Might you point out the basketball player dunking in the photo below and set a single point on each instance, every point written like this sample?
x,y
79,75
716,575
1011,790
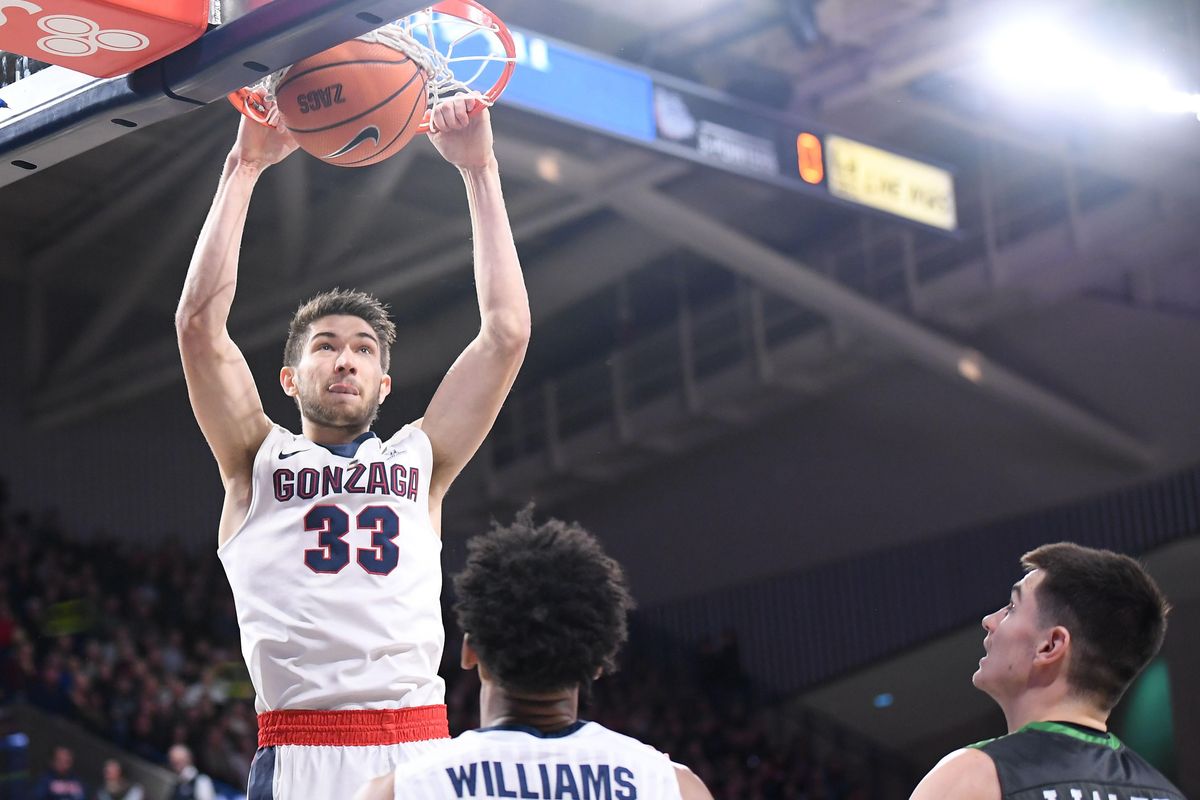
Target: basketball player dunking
x,y
544,611
1079,628
331,538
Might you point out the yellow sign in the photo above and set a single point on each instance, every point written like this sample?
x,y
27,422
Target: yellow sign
x,y
895,184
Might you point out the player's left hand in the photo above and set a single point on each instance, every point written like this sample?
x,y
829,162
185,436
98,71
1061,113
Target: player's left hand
x,y
464,139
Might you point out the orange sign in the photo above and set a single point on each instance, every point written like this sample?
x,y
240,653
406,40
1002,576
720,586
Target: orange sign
x,y
808,158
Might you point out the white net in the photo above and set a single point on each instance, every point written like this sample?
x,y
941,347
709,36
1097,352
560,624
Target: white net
x,y
456,68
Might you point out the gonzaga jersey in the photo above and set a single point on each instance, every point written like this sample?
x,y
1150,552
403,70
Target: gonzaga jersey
x,y
1061,761
336,575
585,760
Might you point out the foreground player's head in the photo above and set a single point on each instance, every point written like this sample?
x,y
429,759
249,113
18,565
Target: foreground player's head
x,y
336,359
1081,624
543,608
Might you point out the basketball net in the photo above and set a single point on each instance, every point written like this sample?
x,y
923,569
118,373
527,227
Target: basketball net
x,y
464,18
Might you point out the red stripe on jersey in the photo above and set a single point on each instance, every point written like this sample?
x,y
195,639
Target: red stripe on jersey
x,y
361,727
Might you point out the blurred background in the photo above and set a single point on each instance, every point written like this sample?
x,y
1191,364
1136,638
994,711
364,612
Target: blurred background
x,y
839,307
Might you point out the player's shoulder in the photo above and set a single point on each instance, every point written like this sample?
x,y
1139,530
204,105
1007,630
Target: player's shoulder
x,y
968,773
412,430
595,731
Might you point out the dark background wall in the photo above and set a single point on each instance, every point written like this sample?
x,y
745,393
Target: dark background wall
x,y
897,456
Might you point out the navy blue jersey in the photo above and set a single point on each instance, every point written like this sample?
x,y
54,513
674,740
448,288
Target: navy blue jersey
x,y
1061,761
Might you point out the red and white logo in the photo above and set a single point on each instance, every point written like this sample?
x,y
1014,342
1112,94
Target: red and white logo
x,y
73,36
28,8
101,38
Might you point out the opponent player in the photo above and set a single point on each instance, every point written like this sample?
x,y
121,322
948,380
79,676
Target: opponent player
x,y
544,612
331,539
1080,626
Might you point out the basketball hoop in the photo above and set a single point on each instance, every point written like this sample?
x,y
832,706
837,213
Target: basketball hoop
x,y
461,45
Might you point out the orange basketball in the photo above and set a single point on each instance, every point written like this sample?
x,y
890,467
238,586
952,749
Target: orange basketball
x,y
353,105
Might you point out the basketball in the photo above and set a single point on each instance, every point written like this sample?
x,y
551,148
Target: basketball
x,y
353,105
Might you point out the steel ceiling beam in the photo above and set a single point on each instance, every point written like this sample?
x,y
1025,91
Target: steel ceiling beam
x,y
130,376
797,281
183,207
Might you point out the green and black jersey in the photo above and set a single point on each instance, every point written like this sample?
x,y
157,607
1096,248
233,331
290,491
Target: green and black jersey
x,y
1063,761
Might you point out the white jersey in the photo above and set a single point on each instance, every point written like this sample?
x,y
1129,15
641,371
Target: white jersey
x,y
336,575
585,761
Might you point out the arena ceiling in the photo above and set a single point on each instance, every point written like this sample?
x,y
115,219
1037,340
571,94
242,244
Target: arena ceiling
x,y
669,297
678,307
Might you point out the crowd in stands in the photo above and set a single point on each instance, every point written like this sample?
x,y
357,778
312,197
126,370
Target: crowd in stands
x,y
138,643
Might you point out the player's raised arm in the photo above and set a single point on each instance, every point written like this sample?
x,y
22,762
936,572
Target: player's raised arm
x,y
470,396
220,386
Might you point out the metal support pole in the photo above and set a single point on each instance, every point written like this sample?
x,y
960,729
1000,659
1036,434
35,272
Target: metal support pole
x,y
986,179
764,368
622,423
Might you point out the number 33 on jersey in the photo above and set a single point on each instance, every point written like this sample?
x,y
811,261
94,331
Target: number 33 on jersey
x,y
336,573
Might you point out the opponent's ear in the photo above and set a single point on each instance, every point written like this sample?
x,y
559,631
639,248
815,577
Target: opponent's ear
x,y
1054,647
385,387
287,379
470,659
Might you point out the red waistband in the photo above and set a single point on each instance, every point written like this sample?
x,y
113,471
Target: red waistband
x,y
355,727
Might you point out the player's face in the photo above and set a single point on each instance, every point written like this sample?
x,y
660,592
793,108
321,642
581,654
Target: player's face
x,y
339,382
1013,637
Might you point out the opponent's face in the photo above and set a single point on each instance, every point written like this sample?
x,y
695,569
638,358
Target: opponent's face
x,y
1013,643
339,382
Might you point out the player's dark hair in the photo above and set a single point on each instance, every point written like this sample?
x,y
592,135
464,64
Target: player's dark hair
x,y
544,606
1114,610
340,301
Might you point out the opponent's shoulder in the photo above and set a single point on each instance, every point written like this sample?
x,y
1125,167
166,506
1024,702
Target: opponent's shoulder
x,y
690,786
967,774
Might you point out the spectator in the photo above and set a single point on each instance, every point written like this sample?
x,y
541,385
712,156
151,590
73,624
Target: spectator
x,y
116,786
192,784
60,782
146,675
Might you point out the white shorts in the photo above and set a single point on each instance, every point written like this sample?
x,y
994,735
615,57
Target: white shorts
x,y
323,771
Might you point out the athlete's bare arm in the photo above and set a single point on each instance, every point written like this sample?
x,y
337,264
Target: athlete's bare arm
x,y
465,405
222,391
691,787
966,774
381,788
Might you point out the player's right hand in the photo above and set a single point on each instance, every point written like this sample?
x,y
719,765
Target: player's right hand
x,y
260,146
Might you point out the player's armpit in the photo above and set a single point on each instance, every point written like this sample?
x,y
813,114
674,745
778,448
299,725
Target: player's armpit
x,y
966,774
220,385
691,787
224,399
381,788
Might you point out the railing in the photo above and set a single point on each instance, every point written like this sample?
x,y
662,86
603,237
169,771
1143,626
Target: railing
x,y
743,332
803,627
